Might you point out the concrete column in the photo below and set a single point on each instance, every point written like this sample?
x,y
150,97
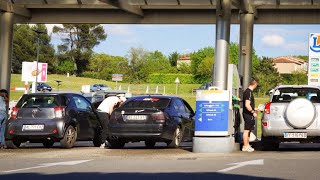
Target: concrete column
x,y
219,144
6,41
245,48
220,67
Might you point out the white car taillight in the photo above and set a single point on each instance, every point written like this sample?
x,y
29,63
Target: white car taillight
x,y
59,112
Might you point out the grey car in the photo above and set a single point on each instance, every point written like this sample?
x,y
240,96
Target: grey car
x,y
99,87
292,114
53,117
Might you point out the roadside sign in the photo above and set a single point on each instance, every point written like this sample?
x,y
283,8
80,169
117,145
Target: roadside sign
x,y
29,71
314,59
212,113
117,77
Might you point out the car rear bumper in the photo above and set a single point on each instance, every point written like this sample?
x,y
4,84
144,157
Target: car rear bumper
x,y
143,132
279,134
52,129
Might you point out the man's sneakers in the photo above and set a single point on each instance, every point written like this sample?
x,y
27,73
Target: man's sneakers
x,y
247,149
104,145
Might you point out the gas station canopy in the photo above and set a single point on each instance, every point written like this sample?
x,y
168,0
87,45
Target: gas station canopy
x,y
158,11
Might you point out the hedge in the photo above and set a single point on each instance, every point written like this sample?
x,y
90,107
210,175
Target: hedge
x,y
159,78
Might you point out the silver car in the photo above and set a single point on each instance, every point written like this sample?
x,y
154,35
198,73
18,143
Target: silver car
x,y
292,114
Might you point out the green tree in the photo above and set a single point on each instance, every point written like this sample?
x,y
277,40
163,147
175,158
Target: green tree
x,y
299,77
78,41
25,47
185,68
267,75
137,57
102,66
196,61
173,58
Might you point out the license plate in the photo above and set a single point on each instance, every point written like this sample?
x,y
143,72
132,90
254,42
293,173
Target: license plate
x,y
136,117
32,127
295,135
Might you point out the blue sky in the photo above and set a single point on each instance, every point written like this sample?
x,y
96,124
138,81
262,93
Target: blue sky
x,y
269,40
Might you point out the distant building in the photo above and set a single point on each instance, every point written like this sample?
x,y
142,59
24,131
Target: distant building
x,y
184,59
289,64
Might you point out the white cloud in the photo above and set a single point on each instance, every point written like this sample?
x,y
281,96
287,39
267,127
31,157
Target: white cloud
x,y
50,27
118,29
273,40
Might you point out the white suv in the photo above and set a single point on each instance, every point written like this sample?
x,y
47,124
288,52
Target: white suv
x,y
291,115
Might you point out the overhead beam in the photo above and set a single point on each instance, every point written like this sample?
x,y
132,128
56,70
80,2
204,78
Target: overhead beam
x,y
124,5
173,16
244,5
9,7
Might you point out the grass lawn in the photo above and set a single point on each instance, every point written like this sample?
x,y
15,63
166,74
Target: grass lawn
x,y
75,83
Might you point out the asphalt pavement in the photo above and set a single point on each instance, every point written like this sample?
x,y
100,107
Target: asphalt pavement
x,y
292,161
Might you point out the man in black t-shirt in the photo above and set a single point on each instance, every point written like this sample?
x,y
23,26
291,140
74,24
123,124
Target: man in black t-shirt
x,y
249,115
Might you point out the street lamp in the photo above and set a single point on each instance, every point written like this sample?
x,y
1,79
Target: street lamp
x,y
34,89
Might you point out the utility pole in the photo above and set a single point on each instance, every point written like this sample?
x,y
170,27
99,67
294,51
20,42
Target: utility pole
x,y
34,86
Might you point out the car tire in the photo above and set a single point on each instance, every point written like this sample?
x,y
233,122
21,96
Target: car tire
x,y
48,143
269,144
177,138
69,138
13,144
97,140
116,144
150,144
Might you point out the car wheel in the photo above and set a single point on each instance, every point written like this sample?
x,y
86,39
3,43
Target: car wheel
x,y
69,138
269,144
177,138
97,140
116,144
13,144
150,144
48,143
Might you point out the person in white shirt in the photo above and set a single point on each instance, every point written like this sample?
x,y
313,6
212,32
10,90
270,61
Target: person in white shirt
x,y
106,108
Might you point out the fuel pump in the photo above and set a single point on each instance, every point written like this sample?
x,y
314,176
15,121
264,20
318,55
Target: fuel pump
x,y
218,117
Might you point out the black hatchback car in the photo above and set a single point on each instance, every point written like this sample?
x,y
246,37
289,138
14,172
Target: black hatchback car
x,y
52,117
152,119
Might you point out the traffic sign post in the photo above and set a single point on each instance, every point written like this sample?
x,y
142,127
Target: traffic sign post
x,y
117,77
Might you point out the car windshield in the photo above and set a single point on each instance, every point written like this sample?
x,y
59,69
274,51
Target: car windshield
x,y
102,85
32,101
157,103
289,94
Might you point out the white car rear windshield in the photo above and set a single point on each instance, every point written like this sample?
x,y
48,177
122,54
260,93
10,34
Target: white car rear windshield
x,y
289,94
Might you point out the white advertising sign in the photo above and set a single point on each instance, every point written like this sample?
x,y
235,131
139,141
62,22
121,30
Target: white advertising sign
x,y
314,59
29,71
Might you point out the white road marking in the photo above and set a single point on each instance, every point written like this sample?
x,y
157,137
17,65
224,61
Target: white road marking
x,y
241,164
66,163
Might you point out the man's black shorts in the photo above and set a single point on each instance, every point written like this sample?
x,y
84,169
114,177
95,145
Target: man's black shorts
x,y
249,122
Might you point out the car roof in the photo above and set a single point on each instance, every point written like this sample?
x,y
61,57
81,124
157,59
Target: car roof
x,y
297,86
56,93
154,96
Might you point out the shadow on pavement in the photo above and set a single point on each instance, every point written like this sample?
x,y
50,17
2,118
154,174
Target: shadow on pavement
x,y
289,146
127,176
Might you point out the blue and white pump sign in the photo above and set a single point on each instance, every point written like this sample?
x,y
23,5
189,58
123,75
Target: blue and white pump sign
x,y
212,113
